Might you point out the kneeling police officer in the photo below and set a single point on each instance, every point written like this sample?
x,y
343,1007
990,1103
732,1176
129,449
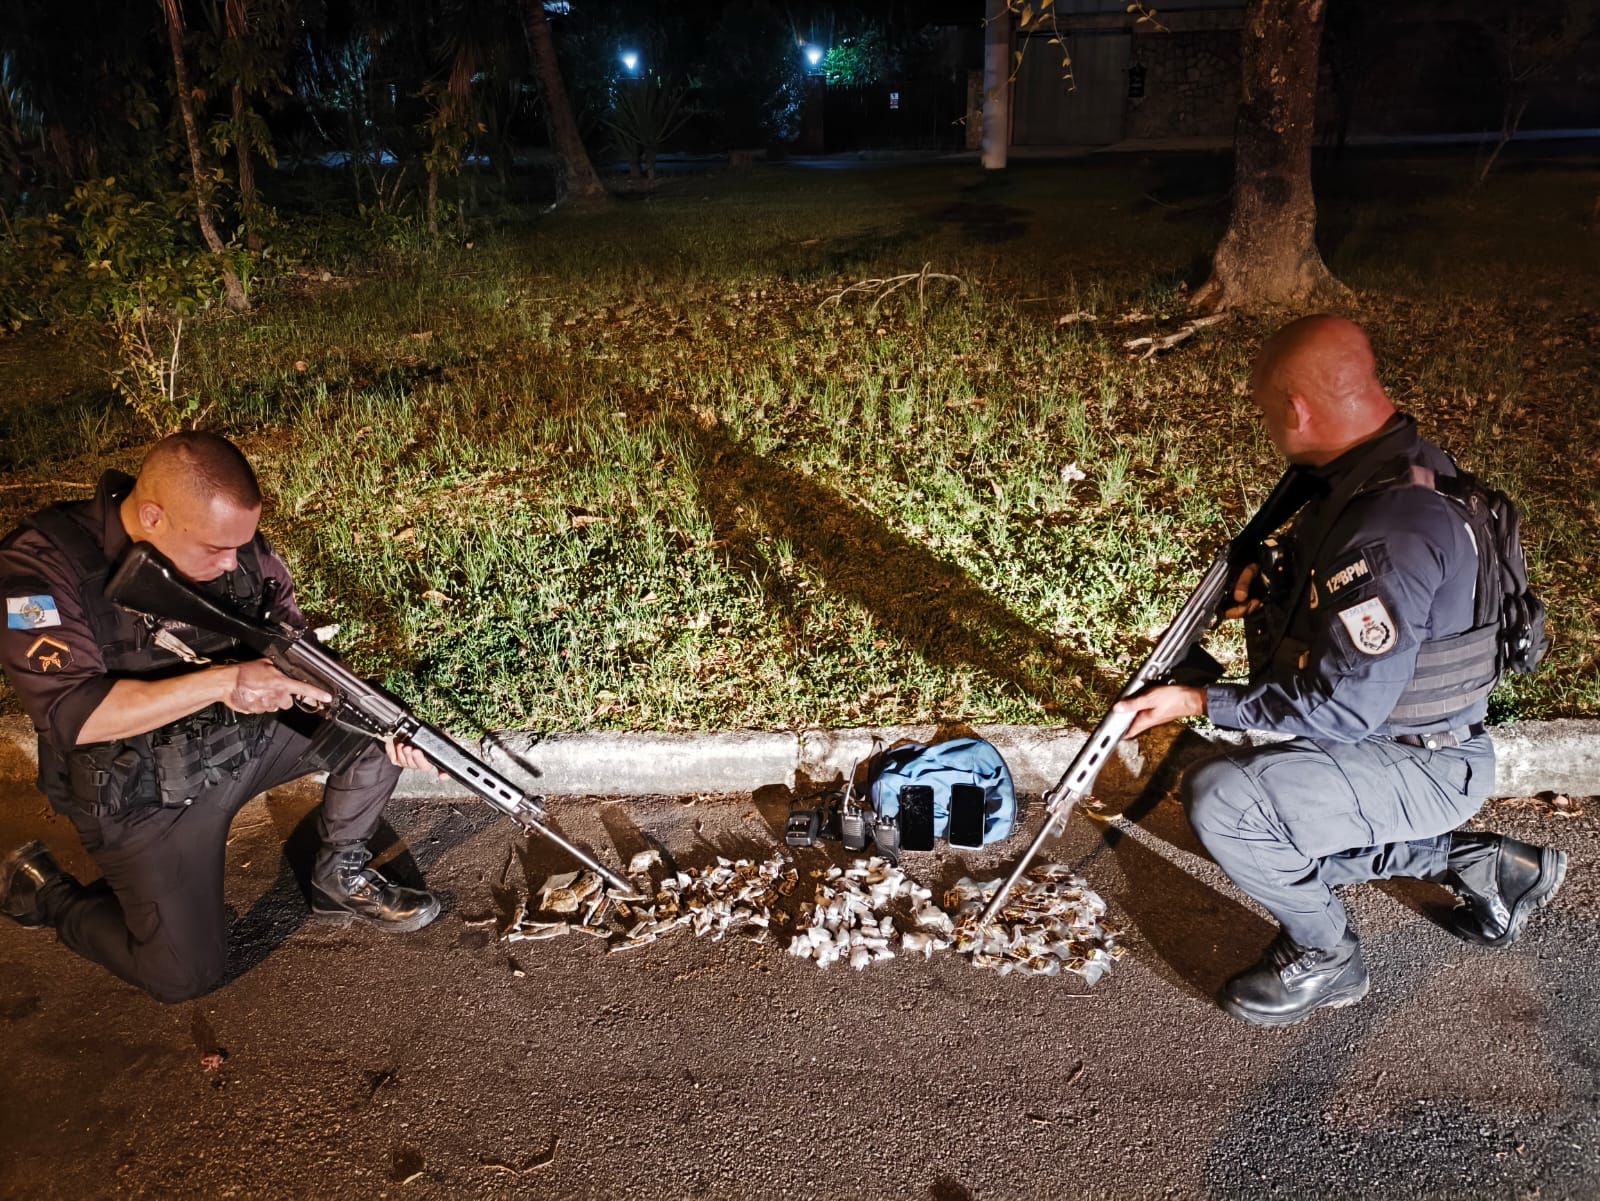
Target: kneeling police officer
x,y
1366,650
153,736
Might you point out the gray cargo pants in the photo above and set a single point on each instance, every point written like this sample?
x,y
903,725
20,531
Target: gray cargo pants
x,y
1291,821
156,916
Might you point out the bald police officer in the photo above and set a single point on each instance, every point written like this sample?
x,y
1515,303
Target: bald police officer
x,y
1351,654
152,736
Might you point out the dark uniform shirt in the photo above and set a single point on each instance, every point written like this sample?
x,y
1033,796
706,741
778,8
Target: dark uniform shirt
x,y
1398,567
48,649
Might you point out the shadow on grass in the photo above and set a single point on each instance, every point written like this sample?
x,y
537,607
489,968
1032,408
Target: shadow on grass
x,y
930,605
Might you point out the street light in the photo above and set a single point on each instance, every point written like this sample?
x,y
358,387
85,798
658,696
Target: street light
x,y
813,56
630,61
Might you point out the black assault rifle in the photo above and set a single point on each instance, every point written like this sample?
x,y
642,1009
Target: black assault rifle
x,y
1178,651
147,583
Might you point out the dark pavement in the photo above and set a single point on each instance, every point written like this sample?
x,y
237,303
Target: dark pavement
x,y
445,1063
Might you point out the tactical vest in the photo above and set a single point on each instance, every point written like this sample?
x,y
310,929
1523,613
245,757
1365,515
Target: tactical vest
x,y
1451,675
173,764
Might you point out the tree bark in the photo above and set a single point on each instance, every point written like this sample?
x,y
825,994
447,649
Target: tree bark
x,y
249,203
996,111
578,180
202,187
1268,257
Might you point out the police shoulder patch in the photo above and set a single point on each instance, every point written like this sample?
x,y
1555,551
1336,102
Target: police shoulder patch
x,y
1370,626
49,654
31,612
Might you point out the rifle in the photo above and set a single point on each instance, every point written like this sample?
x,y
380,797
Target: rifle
x,y
146,582
1178,650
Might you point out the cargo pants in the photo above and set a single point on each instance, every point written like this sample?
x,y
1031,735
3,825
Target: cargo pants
x,y
1290,822
156,917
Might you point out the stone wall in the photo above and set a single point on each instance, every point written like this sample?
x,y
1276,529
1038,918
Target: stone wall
x,y
1191,84
1396,77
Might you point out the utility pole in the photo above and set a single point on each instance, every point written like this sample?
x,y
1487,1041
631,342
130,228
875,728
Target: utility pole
x,y
996,84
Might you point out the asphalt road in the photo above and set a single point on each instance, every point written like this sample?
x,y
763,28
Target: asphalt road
x,y
446,1063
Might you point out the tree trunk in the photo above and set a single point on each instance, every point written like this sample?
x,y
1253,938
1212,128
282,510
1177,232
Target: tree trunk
x,y
996,110
1268,257
433,202
202,187
1510,122
578,180
238,29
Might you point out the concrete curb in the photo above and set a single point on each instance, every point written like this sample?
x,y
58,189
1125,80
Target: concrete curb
x,y
1552,756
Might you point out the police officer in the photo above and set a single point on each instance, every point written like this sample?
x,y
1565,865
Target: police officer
x,y
152,736
1358,649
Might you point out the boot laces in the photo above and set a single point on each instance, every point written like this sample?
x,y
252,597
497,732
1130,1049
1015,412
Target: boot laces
x,y
1290,958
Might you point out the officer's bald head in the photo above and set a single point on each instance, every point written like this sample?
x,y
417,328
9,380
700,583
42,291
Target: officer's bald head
x,y
1316,383
197,501
201,466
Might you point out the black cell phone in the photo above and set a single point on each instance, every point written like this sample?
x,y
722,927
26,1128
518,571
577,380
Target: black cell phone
x,y
916,818
966,815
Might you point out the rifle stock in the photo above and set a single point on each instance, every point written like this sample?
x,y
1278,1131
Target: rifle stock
x,y
146,582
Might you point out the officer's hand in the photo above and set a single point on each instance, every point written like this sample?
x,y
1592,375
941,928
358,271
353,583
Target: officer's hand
x,y
1243,602
259,687
1160,705
403,754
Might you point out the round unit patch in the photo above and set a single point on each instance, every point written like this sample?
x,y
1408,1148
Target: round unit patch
x,y
1370,627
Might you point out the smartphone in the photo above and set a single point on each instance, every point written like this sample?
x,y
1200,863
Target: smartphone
x,y
916,818
966,816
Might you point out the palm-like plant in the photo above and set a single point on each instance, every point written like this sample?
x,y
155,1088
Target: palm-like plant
x,y
645,114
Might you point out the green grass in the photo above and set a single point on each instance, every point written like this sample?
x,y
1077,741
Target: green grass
x,y
627,470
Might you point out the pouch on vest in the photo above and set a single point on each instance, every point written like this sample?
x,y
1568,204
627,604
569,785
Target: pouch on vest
x,y
105,779
940,766
199,753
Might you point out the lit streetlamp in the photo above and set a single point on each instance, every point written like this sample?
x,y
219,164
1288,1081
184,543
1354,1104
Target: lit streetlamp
x,y
630,61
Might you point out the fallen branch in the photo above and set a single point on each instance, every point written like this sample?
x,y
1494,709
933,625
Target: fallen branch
x,y
882,289
1183,333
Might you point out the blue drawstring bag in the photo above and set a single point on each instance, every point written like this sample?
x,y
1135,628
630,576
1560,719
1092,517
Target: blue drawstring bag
x,y
954,761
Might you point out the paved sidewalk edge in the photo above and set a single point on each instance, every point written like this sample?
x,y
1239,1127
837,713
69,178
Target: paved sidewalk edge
x,y
1548,756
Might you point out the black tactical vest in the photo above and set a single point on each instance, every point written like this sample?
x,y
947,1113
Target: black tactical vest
x,y
1451,674
171,765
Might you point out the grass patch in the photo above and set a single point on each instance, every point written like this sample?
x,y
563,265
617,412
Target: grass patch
x,y
628,471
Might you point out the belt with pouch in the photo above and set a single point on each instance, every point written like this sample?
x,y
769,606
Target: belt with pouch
x,y
1442,739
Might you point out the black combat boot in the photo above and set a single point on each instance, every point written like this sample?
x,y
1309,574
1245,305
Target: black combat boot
x,y
343,887
1501,883
1291,982
24,874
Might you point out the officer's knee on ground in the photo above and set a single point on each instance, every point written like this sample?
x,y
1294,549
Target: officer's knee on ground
x,y
183,962
195,980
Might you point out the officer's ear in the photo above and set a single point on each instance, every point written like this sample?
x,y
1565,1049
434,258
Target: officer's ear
x,y
1296,412
151,516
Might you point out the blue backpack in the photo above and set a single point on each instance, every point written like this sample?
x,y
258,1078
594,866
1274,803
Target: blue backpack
x,y
956,761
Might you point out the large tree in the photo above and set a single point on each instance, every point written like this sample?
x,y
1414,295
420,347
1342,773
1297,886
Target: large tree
x,y
1268,257
232,289
578,179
